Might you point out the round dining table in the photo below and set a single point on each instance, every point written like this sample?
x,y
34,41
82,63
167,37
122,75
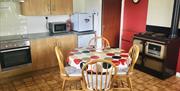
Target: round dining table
x,y
79,56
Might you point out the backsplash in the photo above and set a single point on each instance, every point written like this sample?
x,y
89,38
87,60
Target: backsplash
x,y
37,24
12,23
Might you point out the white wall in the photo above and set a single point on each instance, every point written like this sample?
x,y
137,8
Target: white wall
x,y
78,6
95,6
160,12
37,24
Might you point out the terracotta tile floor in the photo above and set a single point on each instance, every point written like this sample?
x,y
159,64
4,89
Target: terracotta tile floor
x,y
49,80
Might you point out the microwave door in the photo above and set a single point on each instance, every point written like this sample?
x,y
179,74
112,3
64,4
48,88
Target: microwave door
x,y
59,28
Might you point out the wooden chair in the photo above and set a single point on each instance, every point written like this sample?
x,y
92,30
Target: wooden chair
x,y
133,53
67,73
98,75
93,42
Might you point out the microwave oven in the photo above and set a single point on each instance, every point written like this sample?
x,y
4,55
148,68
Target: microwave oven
x,y
57,27
82,22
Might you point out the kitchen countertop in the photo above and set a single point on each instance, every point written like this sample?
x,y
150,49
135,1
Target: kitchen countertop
x,y
47,34
40,35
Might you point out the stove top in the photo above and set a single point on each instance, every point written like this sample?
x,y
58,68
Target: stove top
x,y
13,41
153,36
13,38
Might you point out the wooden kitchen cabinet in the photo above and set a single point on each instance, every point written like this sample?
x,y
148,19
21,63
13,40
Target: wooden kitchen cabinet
x,y
42,50
46,7
61,7
35,7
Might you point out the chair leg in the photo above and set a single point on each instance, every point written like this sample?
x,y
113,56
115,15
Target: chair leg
x,y
82,85
64,83
117,82
130,83
122,83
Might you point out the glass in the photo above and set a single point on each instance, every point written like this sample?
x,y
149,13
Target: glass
x,y
15,58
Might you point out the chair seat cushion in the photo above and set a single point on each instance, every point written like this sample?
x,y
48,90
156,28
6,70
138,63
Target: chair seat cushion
x,y
122,71
72,71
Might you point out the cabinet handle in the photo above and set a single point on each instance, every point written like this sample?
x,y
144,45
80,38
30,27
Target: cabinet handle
x,y
17,49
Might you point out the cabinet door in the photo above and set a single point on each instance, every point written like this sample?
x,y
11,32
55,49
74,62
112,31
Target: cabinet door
x,y
35,7
43,50
42,53
59,7
67,43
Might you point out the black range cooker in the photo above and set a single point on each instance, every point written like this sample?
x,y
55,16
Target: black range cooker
x,y
158,53
14,51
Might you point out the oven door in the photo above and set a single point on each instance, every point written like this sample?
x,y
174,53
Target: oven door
x,y
155,50
14,57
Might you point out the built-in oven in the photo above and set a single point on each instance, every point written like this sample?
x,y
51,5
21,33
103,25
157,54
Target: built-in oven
x,y
156,50
14,54
14,57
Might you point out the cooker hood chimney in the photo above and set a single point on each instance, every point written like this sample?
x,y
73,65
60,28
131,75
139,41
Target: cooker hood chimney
x,y
175,19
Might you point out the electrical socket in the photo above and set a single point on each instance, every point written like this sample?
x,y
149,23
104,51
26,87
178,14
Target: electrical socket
x,y
46,18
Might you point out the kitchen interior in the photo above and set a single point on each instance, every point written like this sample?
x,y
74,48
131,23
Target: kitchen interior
x,y
30,29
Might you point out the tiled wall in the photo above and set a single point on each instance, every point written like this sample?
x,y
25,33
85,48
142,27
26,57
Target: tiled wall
x,y
37,24
12,23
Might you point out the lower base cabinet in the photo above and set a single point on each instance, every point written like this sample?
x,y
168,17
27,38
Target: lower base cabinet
x,y
43,53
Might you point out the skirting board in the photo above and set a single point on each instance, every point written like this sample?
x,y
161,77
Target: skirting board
x,y
177,74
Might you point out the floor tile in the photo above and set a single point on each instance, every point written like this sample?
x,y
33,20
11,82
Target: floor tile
x,y
49,80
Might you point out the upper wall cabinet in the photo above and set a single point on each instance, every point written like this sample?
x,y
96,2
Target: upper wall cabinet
x,y
46,7
61,7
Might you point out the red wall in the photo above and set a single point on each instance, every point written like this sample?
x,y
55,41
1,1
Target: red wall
x,y
135,16
178,64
